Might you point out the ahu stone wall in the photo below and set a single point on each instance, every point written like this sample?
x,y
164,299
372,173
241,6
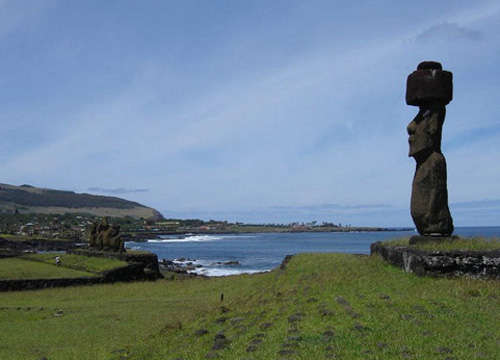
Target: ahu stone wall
x,y
474,264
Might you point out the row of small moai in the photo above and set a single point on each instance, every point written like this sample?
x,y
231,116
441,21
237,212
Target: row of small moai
x,y
105,237
431,89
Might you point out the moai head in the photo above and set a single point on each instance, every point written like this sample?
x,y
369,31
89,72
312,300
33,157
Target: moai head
x,y
425,131
430,88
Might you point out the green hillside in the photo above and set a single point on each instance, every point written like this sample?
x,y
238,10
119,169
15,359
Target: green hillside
x,y
321,306
30,199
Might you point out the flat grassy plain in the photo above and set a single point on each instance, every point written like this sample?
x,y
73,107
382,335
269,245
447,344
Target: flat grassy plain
x,y
17,268
321,306
78,262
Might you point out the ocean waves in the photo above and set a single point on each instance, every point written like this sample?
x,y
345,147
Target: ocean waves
x,y
226,272
192,238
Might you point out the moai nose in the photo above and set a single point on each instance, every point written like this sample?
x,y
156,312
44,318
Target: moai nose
x,y
411,128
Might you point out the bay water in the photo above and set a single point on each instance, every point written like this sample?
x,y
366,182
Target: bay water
x,y
231,254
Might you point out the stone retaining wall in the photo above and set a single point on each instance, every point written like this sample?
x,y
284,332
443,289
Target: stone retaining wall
x,y
143,266
475,264
149,261
33,284
128,272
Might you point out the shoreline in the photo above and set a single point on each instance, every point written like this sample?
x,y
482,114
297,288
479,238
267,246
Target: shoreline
x,y
152,235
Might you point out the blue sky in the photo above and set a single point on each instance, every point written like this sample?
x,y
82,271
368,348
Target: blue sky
x,y
256,111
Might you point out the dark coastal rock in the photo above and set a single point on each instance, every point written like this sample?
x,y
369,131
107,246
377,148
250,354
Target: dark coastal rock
x,y
232,263
430,88
180,268
285,262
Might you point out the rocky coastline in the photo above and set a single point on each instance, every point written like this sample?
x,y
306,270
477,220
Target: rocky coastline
x,y
191,267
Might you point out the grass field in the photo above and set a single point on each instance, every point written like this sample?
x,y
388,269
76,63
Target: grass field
x,y
78,262
16,268
474,243
322,306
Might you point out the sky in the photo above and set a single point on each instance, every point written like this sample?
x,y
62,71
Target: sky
x,y
253,111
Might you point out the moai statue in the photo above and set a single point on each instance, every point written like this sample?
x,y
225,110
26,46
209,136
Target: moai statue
x,y
431,89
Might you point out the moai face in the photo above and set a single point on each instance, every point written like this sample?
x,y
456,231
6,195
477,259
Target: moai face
x,y
425,131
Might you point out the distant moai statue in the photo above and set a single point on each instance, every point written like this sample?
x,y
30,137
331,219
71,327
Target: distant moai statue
x,y
431,89
103,236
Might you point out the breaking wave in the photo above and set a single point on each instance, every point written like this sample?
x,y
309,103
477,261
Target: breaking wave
x,y
193,238
226,272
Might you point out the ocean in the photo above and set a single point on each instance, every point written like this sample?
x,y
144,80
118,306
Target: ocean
x,y
264,251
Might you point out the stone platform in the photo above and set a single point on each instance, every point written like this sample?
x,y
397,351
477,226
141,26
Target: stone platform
x,y
474,264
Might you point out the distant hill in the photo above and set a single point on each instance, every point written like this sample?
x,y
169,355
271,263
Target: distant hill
x,y
30,199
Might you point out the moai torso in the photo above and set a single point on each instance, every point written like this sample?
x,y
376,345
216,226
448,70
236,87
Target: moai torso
x,y
429,197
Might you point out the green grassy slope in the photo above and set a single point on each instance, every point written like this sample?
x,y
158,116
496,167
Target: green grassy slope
x,y
322,306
